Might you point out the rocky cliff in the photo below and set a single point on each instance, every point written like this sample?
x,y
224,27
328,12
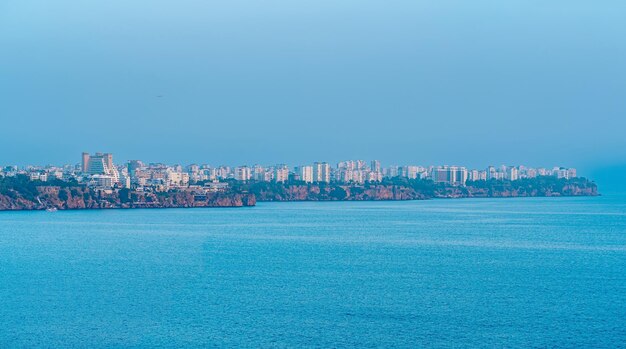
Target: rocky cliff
x,y
304,192
21,194
80,197
404,189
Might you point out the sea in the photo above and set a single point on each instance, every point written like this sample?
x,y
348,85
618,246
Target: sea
x,y
448,273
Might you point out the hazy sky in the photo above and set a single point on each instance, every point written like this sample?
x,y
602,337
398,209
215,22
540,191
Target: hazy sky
x,y
425,82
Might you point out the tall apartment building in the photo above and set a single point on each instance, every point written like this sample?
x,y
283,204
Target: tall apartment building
x,y
176,178
243,173
85,162
512,173
100,163
306,173
461,176
452,175
375,165
321,172
412,172
492,173
560,173
473,175
571,173
281,173
222,172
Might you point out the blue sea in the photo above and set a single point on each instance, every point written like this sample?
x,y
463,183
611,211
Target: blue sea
x,y
493,273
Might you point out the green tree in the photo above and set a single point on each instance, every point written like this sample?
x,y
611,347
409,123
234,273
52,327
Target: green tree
x,y
63,195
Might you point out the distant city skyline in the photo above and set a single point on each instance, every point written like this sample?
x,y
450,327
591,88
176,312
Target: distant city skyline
x,y
607,175
477,83
105,159
422,156
98,170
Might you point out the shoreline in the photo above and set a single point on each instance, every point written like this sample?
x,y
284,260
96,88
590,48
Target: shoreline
x,y
27,195
40,209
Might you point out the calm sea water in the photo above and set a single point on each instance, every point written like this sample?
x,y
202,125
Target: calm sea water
x,y
444,273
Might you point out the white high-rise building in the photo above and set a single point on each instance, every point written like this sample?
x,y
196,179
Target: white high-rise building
x,y
474,175
512,173
571,173
243,173
412,172
281,173
321,172
376,166
306,173
259,173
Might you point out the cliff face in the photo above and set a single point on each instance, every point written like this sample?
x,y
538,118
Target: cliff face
x,y
419,190
84,198
26,195
470,192
337,193
576,187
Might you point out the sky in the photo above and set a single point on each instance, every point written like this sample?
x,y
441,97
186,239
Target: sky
x,y
473,83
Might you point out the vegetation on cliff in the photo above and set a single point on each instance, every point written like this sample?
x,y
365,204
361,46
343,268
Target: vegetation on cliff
x,y
399,188
19,193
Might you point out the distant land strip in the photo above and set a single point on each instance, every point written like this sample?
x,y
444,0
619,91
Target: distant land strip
x,y
21,193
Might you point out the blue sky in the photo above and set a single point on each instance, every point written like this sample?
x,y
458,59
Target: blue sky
x,y
231,82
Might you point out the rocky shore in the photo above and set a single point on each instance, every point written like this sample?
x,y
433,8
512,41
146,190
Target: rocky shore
x,y
20,194
41,197
405,189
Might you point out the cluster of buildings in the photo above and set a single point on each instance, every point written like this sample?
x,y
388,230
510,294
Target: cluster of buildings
x,y
99,171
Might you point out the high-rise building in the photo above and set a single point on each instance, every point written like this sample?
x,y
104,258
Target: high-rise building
x,y
85,163
376,166
109,160
452,175
321,172
460,176
439,175
306,173
474,175
222,172
492,173
100,164
243,173
259,173
512,173
281,173
412,171
560,172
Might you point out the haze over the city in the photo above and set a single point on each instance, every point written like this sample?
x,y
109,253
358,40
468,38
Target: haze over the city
x,y
427,82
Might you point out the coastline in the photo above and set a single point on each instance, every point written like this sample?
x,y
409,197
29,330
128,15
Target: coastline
x,y
34,196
